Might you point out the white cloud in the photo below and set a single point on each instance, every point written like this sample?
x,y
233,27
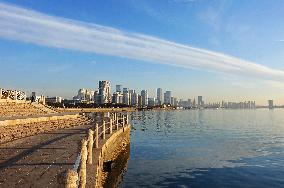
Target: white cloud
x,y
37,28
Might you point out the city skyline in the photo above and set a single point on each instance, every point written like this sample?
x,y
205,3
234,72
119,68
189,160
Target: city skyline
x,y
235,60
131,97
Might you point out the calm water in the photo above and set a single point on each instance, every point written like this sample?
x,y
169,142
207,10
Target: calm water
x,y
206,148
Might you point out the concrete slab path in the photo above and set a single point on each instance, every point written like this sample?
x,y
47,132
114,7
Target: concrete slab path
x,y
36,161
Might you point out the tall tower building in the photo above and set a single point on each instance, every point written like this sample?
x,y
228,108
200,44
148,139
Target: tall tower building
x,y
160,96
104,95
118,88
168,97
270,104
144,96
199,101
134,97
125,90
126,98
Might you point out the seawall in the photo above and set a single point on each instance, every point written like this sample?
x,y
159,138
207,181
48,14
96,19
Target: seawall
x,y
108,153
78,110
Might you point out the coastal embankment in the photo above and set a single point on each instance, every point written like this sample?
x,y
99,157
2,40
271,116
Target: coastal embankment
x,y
93,110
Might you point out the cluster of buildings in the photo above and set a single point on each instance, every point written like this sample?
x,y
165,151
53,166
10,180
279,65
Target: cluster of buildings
x,y
130,97
121,95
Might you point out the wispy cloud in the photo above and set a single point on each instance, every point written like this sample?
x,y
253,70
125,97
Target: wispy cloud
x,y
33,27
184,1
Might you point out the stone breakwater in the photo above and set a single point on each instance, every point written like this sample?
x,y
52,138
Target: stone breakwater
x,y
19,128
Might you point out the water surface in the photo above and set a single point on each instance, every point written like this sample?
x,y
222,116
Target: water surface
x,y
206,148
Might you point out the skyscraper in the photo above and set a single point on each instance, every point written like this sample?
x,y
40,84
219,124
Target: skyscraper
x,y
167,97
160,96
104,95
118,88
199,101
270,104
125,90
117,98
144,96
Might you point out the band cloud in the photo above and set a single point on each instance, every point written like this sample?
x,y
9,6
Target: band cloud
x,y
25,25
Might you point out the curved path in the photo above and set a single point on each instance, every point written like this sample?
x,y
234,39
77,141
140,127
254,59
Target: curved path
x,y
36,161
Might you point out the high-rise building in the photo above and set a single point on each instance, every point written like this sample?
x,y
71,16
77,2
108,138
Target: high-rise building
x,y
160,96
117,98
125,90
134,98
167,97
144,96
151,101
189,103
126,98
139,101
199,101
104,95
270,104
194,103
85,95
118,88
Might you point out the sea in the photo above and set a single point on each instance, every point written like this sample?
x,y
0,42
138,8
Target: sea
x,y
206,148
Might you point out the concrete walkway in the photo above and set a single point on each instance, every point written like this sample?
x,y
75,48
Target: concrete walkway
x,y
37,160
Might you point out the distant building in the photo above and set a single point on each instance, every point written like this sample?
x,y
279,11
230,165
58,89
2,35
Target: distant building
x,y
104,95
134,98
144,97
270,104
126,98
117,98
160,96
125,90
85,95
151,102
189,103
172,101
139,101
53,99
199,101
118,88
167,97
194,103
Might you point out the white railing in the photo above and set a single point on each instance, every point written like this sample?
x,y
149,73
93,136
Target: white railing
x,y
12,94
77,176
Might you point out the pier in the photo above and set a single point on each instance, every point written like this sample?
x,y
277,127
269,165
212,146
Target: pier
x,y
51,149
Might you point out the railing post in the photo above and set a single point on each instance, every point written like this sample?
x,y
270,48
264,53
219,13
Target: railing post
x,y
104,129
123,120
97,136
83,166
127,119
110,124
117,125
71,178
90,146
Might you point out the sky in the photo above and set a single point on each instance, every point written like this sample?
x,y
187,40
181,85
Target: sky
x,y
220,49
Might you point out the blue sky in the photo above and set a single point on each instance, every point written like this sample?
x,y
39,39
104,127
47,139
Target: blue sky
x,y
224,49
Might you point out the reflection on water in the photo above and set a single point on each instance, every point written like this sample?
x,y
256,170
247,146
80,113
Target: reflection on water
x,y
115,176
206,148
